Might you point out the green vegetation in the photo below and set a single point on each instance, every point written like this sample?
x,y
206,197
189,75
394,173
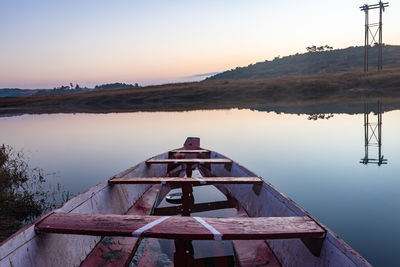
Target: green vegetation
x,y
322,89
22,195
318,60
116,86
60,90
320,77
321,48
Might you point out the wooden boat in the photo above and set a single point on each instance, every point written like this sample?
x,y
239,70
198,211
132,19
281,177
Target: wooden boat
x,y
229,217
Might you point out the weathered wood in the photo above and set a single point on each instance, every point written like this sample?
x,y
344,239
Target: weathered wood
x,y
251,253
201,207
177,227
314,245
192,143
29,249
118,251
186,180
271,202
190,151
189,161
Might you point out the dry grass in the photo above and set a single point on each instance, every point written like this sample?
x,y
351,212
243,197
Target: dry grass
x,y
348,59
349,87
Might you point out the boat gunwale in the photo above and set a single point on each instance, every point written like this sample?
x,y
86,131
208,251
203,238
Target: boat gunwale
x,y
331,236
83,197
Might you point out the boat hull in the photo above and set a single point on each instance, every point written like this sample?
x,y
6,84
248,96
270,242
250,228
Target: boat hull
x,y
28,248
269,202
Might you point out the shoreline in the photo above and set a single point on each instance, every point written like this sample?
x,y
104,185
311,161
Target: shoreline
x,y
339,90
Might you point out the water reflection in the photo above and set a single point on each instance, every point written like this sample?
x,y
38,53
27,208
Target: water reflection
x,y
304,159
320,116
373,136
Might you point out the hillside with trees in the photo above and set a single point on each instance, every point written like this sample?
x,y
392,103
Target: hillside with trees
x,y
116,86
62,90
317,60
288,94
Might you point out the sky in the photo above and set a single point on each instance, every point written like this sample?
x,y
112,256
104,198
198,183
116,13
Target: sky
x,y
48,43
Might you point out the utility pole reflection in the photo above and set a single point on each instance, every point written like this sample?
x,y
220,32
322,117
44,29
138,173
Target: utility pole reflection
x,y
373,136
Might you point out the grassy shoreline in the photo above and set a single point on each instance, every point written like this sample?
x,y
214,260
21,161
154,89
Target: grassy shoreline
x,y
345,88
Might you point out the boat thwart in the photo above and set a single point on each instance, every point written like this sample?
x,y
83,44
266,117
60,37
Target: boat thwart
x,y
125,219
180,227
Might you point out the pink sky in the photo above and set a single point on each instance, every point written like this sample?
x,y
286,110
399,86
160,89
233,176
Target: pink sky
x,y
49,43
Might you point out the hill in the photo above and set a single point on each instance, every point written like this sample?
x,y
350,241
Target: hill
x,y
16,92
333,61
61,90
287,94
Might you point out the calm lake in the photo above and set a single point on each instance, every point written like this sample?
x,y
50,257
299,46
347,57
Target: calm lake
x,y
314,162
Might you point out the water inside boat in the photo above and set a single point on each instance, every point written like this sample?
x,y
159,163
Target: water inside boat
x,y
162,212
206,201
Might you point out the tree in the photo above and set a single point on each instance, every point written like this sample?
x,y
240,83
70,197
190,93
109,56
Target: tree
x,y
114,86
321,48
311,48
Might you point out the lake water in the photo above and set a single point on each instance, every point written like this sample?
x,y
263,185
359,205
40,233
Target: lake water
x,y
314,162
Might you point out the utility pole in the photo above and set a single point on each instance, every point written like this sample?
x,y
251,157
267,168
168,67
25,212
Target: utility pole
x,y
369,31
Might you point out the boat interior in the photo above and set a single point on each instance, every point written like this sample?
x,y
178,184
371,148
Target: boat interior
x,y
187,207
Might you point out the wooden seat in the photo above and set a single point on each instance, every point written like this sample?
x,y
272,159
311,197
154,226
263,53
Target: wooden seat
x,y
183,180
119,250
188,161
198,207
190,151
177,227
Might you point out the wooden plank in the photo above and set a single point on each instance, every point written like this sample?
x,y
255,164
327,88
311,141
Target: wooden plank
x,y
190,151
200,207
186,180
251,253
188,161
118,251
177,227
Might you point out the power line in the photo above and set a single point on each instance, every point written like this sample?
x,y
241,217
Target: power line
x,y
372,30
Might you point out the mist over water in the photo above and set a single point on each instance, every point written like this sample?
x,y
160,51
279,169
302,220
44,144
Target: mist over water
x,y
314,160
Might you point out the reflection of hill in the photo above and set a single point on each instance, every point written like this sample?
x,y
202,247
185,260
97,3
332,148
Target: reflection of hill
x,y
329,108
349,59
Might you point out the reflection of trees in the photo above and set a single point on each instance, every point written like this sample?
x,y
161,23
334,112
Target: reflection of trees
x,y
320,116
23,196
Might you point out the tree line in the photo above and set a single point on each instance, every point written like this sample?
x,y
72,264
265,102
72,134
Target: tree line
x,y
321,48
